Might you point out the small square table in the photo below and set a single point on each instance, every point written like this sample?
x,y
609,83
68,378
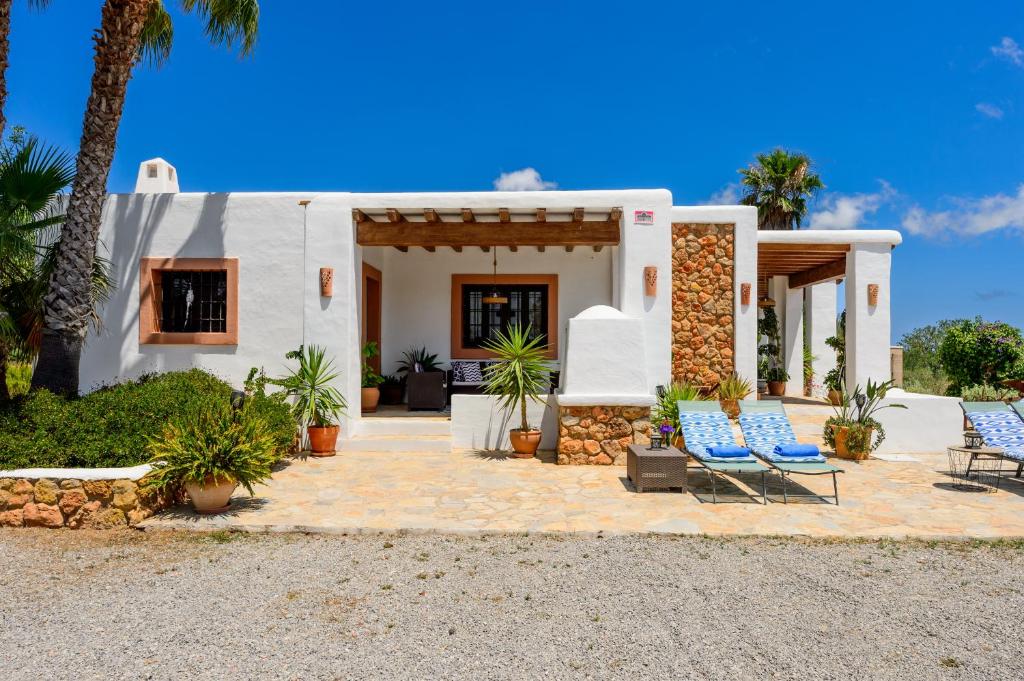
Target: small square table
x,y
656,468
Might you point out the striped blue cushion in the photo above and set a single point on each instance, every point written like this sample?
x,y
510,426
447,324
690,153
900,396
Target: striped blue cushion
x,y
709,429
763,430
1000,429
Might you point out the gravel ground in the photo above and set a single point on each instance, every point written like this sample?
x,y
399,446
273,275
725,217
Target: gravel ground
x,y
166,606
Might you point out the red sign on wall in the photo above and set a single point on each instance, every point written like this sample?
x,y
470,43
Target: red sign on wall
x,y
643,217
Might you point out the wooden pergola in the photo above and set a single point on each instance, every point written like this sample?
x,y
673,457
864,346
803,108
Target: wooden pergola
x,y
804,264
433,228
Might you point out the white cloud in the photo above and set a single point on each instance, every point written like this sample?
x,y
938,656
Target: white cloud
x,y
970,216
524,180
1009,49
989,110
729,195
847,211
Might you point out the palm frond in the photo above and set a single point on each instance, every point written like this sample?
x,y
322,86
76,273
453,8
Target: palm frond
x,y
157,35
228,22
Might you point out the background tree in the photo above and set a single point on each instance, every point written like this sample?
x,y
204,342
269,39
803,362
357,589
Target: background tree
x,y
779,184
130,31
975,352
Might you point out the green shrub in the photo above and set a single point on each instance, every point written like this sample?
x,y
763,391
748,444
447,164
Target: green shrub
x,y
975,352
925,380
110,427
986,393
19,378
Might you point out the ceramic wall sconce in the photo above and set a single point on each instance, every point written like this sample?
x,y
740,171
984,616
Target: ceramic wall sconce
x,y
650,280
327,281
745,294
872,294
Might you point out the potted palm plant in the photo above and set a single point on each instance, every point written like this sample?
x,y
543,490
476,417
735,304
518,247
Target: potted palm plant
x,y
667,408
210,453
853,433
730,392
519,372
370,394
317,403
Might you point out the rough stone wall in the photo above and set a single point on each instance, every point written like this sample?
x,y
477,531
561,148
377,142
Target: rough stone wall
x,y
599,435
703,328
48,502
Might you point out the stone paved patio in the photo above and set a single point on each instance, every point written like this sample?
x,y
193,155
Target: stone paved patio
x,y
486,492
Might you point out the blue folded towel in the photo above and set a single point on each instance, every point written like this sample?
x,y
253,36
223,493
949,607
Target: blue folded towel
x,y
796,450
724,451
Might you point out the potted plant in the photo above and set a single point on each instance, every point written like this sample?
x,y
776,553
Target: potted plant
x,y
770,361
730,392
667,408
210,453
418,357
370,394
519,372
836,377
853,433
317,402
391,389
777,377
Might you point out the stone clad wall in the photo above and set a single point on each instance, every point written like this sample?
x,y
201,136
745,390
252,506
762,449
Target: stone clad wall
x,y
703,331
600,435
49,502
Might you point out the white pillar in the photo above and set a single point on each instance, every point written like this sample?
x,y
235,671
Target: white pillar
x,y
821,323
793,339
868,327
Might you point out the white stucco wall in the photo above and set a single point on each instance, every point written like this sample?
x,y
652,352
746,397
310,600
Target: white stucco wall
x,y
868,328
417,288
821,316
929,424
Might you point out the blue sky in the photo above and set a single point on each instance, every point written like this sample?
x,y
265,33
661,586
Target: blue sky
x,y
914,113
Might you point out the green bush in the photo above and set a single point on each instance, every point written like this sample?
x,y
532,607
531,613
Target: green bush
x,y
975,352
19,378
110,427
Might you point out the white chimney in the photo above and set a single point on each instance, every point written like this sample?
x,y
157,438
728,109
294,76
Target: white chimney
x,y
156,176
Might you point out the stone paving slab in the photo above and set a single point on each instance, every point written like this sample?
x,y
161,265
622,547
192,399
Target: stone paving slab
x,y
485,492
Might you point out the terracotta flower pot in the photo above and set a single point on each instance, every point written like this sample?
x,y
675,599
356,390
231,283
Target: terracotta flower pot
x,y
370,398
776,388
524,442
210,497
842,451
835,397
731,408
323,440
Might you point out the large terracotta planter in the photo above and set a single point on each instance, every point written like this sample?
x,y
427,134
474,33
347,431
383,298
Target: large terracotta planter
x,y
323,440
731,408
776,388
370,398
842,451
210,497
524,442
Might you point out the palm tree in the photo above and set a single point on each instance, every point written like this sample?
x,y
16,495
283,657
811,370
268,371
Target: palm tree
x,y
779,184
130,31
32,178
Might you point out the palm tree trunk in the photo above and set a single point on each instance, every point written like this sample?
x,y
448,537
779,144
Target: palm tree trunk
x,y
68,304
5,46
5,393
522,408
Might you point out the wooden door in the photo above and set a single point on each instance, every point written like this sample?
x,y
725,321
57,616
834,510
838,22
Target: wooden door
x,y
372,309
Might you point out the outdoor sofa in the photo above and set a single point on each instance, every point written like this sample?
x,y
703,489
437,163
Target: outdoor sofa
x,y
704,425
999,426
768,433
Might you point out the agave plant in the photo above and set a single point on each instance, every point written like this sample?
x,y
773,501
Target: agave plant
x,y
520,371
734,388
317,402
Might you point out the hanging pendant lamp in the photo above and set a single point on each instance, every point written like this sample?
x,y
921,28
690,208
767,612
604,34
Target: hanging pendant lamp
x,y
495,298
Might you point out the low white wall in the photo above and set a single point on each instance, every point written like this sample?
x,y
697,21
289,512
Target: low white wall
x,y
929,424
479,423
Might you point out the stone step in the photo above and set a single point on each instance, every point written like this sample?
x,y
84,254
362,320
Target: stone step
x,y
392,443
403,426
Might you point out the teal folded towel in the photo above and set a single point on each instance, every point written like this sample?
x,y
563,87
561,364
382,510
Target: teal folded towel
x,y
724,451
796,450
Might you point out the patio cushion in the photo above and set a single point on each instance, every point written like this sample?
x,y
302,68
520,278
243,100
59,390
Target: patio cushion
x,y
703,429
762,431
730,451
1002,429
796,450
466,372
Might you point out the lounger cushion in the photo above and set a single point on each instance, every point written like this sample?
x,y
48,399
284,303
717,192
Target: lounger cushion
x,y
705,429
1002,429
762,432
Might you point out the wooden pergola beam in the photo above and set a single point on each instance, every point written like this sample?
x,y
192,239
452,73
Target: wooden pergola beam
x,y
504,215
430,215
816,275
542,214
513,249
615,214
485,249
578,214
429,249
394,215
403,249
569,249
597,249
589,233
467,215
360,216
457,249
540,249
803,248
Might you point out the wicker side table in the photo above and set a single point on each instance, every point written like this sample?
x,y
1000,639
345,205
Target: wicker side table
x,y
979,462
656,468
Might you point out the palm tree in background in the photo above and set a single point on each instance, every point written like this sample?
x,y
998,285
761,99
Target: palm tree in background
x,y
779,184
130,31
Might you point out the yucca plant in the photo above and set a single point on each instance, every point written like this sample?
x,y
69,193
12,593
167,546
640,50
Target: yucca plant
x,y
216,445
520,371
667,408
733,387
317,402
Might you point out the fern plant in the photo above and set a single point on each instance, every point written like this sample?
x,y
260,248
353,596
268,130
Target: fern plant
x,y
520,371
216,445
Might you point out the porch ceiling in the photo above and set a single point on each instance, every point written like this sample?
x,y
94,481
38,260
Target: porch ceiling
x,y
432,228
804,264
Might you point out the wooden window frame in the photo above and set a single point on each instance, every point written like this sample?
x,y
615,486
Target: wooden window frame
x,y
149,314
458,280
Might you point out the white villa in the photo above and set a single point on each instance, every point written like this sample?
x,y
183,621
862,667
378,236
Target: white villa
x,y
630,290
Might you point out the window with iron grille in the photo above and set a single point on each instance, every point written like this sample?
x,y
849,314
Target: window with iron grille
x,y
527,306
193,301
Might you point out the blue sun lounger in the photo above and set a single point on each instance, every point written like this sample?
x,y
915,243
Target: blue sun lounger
x,y
1018,407
766,427
705,425
1000,426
